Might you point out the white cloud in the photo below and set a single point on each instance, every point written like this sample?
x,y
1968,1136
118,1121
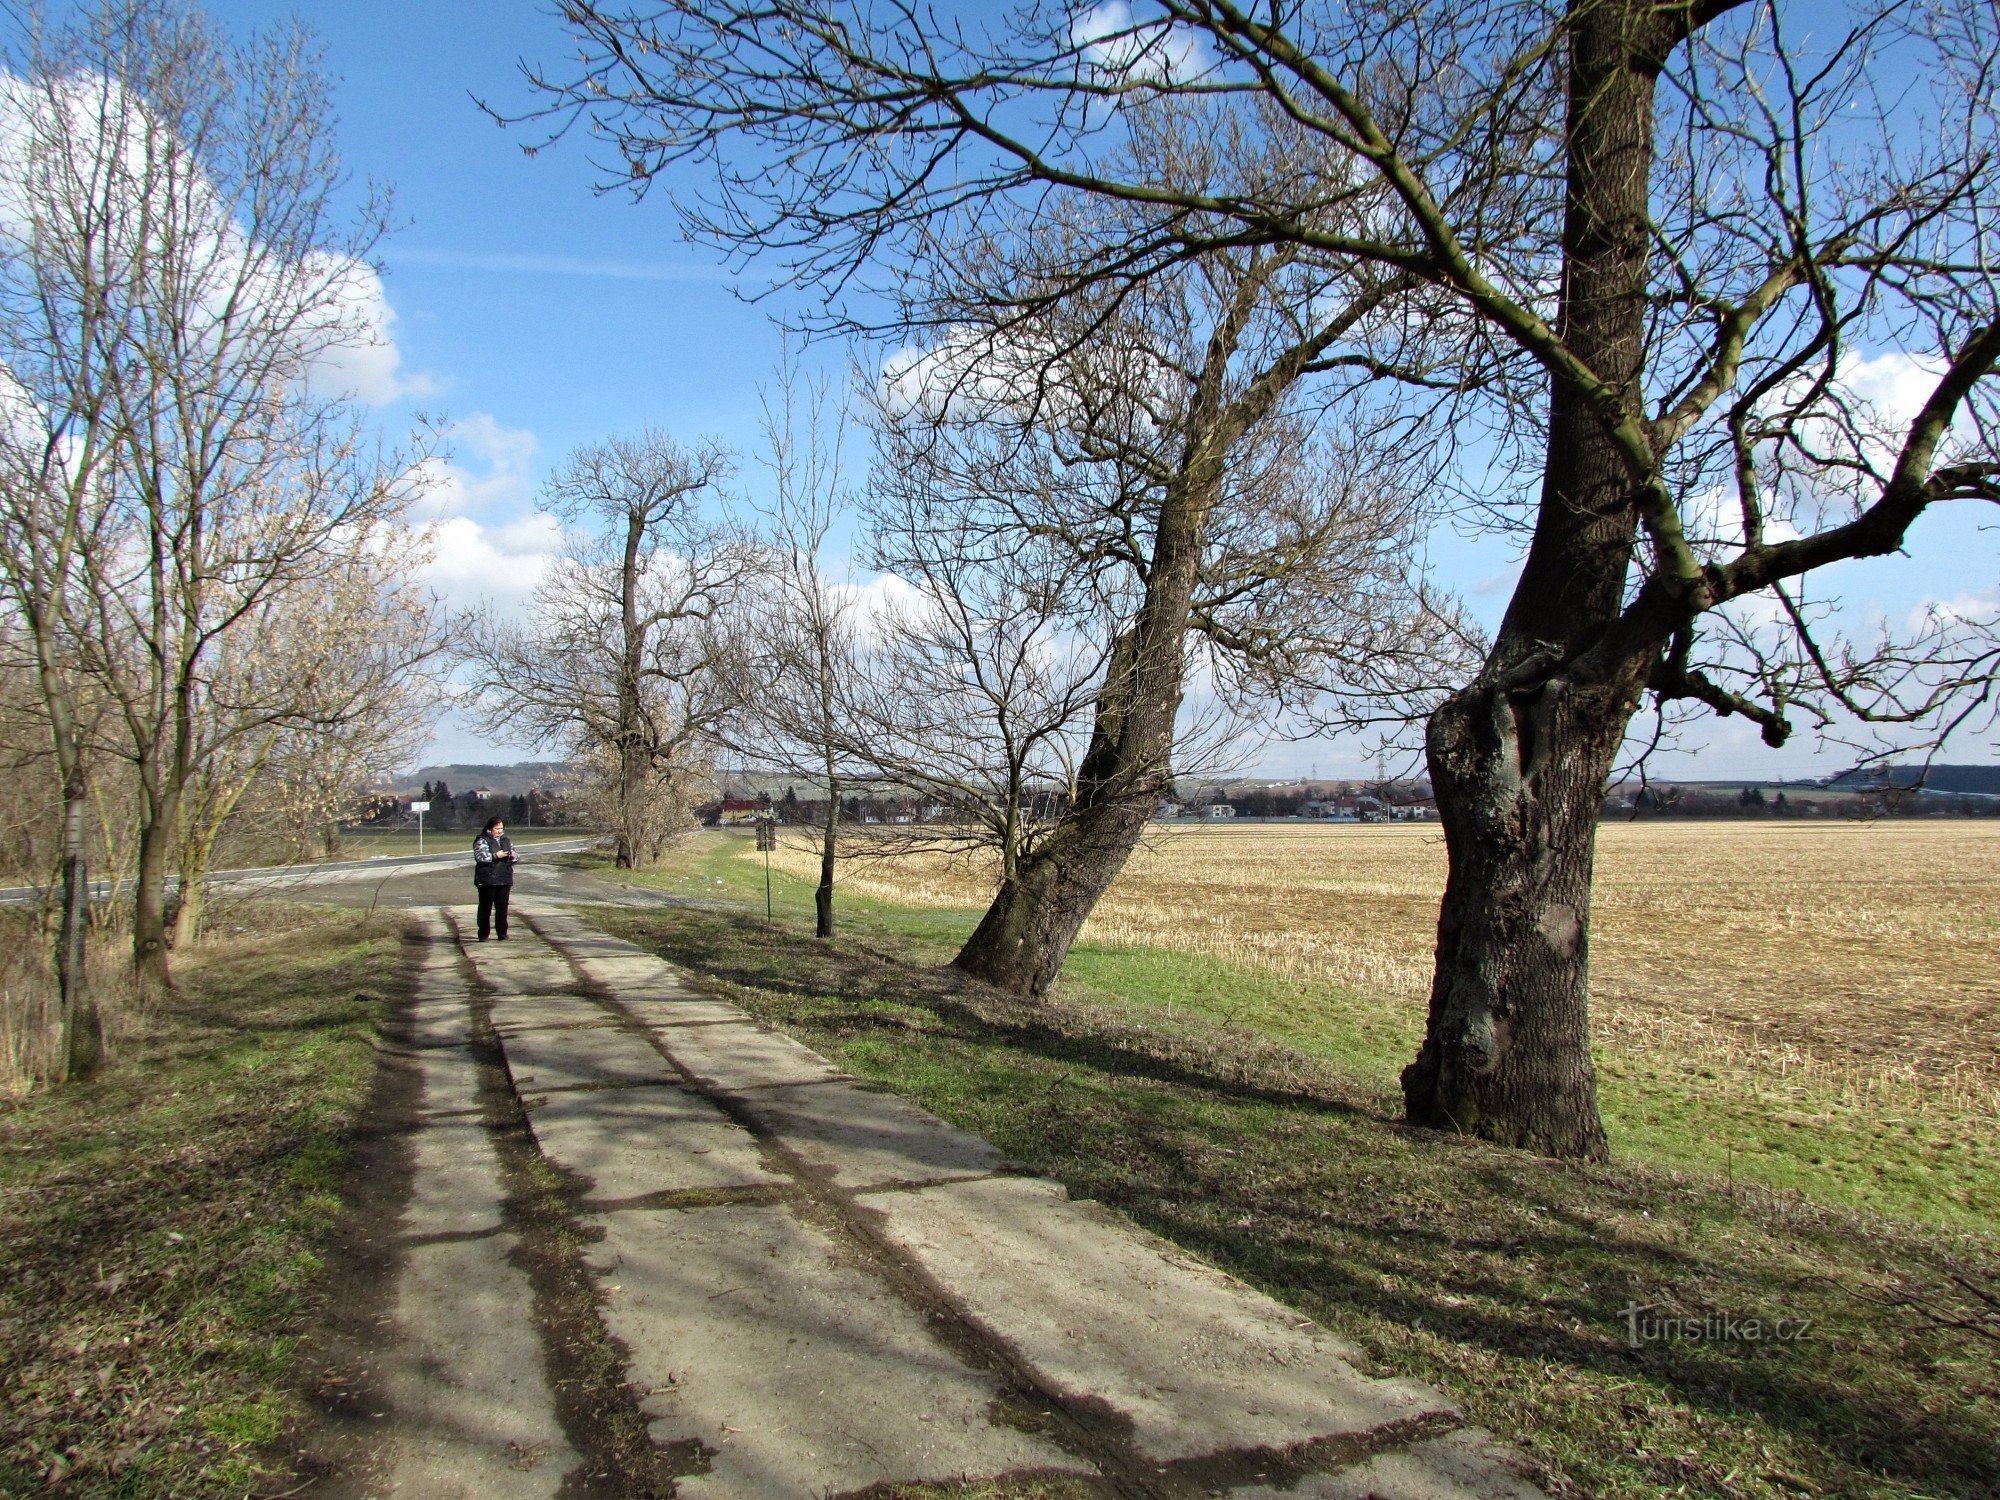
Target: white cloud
x,y
488,545
972,376
1117,45
1713,519
472,564
88,127
499,477
482,434
363,362
881,598
1978,610
1895,384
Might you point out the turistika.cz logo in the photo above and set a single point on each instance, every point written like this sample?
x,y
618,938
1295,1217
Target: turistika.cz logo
x,y
1647,1324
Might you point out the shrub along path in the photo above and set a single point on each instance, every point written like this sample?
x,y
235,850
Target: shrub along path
x,y
653,1246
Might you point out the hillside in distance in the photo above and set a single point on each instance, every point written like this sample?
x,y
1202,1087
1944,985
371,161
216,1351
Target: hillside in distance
x,y
510,781
1978,780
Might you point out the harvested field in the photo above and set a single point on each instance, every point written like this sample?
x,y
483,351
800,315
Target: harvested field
x,y
1860,959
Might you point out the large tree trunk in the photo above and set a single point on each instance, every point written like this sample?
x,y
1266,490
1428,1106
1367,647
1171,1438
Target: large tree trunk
x,y
1506,1054
629,798
1519,759
82,1024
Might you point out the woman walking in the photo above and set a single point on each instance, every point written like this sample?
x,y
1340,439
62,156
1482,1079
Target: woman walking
x,y
493,876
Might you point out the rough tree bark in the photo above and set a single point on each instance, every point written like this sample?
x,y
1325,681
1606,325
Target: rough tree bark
x,y
149,909
633,762
1520,758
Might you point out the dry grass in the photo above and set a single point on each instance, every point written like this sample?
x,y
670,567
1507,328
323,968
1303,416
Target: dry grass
x,y
1850,960
30,1023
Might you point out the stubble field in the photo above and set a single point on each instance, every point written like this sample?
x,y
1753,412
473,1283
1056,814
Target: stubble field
x,y
1801,976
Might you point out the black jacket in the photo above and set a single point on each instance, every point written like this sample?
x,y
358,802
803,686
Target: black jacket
x,y
489,867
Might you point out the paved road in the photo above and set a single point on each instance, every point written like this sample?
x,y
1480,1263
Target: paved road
x,y
343,874
651,1246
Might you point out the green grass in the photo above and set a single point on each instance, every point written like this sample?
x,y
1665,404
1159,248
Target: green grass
x,y
160,1225
1254,1124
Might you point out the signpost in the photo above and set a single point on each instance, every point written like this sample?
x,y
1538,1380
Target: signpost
x,y
767,840
420,808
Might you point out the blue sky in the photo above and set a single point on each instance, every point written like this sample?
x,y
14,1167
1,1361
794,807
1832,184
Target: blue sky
x,y
535,315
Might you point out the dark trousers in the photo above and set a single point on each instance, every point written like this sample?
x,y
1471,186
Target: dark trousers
x,y
493,910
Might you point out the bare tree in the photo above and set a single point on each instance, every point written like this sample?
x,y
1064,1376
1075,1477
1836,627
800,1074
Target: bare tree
x,y
190,270
1673,235
323,765
315,691
984,668
1151,436
806,652
49,515
627,654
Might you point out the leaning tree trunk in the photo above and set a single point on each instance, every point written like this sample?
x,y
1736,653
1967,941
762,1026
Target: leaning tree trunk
x,y
82,1023
1519,760
1021,942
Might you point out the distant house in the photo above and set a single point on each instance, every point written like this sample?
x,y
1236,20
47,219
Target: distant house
x,y
739,812
1170,810
1329,809
1218,810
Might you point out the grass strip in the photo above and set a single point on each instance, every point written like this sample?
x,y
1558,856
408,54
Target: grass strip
x,y
162,1226
1662,1109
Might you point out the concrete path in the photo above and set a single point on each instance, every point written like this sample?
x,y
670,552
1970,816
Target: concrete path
x,y
655,1247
